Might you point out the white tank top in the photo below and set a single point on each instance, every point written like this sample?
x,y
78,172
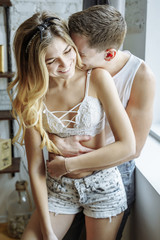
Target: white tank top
x,y
123,81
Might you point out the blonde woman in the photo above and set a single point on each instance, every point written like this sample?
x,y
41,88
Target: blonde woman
x,y
53,94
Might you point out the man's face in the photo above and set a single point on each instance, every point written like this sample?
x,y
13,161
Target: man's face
x,y
90,57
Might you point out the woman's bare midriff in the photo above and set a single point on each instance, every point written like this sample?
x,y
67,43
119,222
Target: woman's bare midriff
x,y
79,175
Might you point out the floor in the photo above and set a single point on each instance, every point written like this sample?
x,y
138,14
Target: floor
x,y
3,232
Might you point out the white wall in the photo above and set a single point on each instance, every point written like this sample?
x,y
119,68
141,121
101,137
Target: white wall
x,y
20,11
135,16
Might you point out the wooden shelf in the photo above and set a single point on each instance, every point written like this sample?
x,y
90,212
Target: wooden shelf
x,y
7,75
5,3
15,167
5,115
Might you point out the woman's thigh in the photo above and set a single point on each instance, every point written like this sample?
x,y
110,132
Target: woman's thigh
x,y
102,228
60,224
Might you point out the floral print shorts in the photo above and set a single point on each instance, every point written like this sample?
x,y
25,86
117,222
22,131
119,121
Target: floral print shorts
x,y
100,195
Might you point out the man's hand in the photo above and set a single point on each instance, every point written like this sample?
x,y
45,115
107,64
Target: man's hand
x,y
70,146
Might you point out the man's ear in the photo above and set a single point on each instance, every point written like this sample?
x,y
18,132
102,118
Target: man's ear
x,y
109,54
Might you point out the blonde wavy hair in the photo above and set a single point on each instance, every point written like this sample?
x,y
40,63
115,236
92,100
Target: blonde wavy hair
x,y
30,85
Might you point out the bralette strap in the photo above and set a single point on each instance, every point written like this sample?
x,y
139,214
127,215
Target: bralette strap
x,y
87,82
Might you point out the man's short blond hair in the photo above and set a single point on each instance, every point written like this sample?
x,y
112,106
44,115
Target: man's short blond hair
x,y
103,25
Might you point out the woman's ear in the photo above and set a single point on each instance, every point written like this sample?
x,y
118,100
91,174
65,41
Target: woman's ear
x,y
109,54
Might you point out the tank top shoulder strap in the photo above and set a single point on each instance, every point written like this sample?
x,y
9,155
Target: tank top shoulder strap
x,y
87,82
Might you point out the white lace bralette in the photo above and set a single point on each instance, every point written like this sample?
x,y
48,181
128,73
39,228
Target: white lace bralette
x,y
89,119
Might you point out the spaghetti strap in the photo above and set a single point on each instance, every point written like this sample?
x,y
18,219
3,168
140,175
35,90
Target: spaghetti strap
x,y
87,82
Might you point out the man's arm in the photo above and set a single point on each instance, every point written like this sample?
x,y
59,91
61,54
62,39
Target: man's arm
x,y
70,146
140,106
140,109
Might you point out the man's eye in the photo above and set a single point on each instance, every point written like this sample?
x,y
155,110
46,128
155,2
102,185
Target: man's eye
x,y
82,55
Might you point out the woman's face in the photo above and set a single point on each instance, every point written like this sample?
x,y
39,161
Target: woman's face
x,y
60,59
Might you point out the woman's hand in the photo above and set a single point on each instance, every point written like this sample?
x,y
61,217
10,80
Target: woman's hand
x,y
57,168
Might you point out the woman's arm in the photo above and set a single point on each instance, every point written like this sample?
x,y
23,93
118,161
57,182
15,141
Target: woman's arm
x,y
37,175
124,144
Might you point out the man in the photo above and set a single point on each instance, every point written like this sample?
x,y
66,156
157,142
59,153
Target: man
x,y
98,33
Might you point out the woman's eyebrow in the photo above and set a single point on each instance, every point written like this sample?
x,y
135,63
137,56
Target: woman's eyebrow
x,y
51,58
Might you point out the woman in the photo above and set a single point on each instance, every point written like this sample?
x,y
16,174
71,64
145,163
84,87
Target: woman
x,y
53,94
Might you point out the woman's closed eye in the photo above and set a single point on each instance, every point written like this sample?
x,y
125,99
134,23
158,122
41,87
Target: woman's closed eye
x,y
48,63
68,50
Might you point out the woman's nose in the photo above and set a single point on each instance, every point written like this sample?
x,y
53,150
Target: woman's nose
x,y
63,62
